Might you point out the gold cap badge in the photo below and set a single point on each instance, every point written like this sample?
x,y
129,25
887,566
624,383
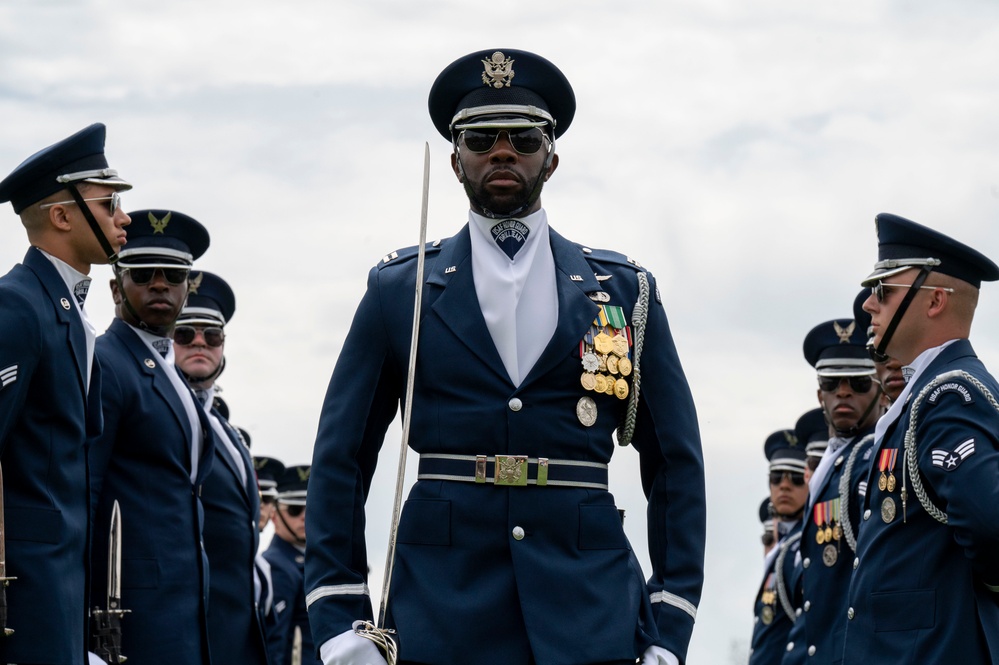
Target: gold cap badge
x,y
195,283
159,225
499,70
844,333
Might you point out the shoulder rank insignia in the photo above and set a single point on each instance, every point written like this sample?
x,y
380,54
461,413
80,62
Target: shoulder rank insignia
x,y
159,225
8,375
498,70
390,256
949,460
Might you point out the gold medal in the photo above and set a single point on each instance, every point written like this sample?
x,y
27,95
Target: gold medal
x,y
828,534
891,483
624,366
602,343
600,383
883,482
820,536
588,380
612,364
621,389
888,509
610,385
829,555
620,343
837,532
767,615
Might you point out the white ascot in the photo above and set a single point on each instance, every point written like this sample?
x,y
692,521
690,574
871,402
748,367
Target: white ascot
x,y
518,297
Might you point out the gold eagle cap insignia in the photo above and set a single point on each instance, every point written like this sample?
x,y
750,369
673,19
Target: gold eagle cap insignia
x,y
844,334
499,70
195,283
791,439
303,474
159,225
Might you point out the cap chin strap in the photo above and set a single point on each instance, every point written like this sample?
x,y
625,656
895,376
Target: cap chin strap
x,y
112,256
853,431
879,354
192,380
531,198
291,532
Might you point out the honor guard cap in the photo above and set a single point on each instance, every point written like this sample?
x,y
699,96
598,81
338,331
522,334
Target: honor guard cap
x,y
767,514
839,348
813,430
904,244
268,471
163,239
210,301
784,452
498,87
293,484
79,158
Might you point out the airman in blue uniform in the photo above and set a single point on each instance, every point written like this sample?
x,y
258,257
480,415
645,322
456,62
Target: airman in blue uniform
x,y
68,201
774,610
289,638
268,471
925,576
156,449
510,548
230,496
850,401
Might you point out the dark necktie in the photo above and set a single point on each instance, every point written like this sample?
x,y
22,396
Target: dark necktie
x,y
510,235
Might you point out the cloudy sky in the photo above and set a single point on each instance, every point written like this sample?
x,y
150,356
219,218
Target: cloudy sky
x,y
739,150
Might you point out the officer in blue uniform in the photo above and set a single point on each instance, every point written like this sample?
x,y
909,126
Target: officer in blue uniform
x,y
526,367
49,390
850,400
156,449
230,496
268,471
925,579
774,610
288,631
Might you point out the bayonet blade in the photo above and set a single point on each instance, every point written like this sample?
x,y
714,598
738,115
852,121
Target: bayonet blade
x,y
114,559
4,580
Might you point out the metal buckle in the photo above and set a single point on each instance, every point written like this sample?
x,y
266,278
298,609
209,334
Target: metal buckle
x,y
511,470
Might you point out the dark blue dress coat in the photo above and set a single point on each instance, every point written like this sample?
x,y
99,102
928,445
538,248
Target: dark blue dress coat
x,y
288,611
923,591
772,615
570,590
44,423
232,510
143,460
825,569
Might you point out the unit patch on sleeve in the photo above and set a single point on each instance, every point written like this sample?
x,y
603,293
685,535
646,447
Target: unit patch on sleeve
x,y
949,460
951,387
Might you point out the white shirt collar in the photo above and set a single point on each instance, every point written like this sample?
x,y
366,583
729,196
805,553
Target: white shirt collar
x,y
913,371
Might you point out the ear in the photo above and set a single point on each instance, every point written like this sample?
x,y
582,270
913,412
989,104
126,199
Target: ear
x,y
456,167
552,167
58,218
115,294
939,300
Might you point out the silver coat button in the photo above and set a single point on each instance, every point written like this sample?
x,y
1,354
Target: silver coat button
x,y
808,605
806,563
850,613
867,514
515,404
811,650
856,562
518,533
790,646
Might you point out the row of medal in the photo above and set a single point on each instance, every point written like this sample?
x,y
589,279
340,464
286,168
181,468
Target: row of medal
x,y
769,600
605,353
887,483
828,529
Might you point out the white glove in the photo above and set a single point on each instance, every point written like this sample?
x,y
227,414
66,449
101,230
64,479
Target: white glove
x,y
655,656
94,659
349,648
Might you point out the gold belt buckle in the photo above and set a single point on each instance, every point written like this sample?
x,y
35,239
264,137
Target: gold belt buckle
x,y
511,470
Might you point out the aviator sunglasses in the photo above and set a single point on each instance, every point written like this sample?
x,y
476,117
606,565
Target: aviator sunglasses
x,y
143,276
880,294
858,384
797,479
185,335
293,510
525,140
114,202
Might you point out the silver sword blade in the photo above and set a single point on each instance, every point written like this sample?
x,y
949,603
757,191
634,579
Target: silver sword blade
x,y
114,559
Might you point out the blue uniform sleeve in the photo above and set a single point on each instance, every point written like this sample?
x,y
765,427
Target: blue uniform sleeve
x,y
20,348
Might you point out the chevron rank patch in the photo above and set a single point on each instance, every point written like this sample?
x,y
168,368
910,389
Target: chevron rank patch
x,y
948,460
8,375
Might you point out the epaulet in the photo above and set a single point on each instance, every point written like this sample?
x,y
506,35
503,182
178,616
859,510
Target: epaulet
x,y
405,254
609,256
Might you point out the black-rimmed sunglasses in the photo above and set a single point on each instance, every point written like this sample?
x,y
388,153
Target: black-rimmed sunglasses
x,y
294,510
525,140
797,479
858,384
143,276
185,335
